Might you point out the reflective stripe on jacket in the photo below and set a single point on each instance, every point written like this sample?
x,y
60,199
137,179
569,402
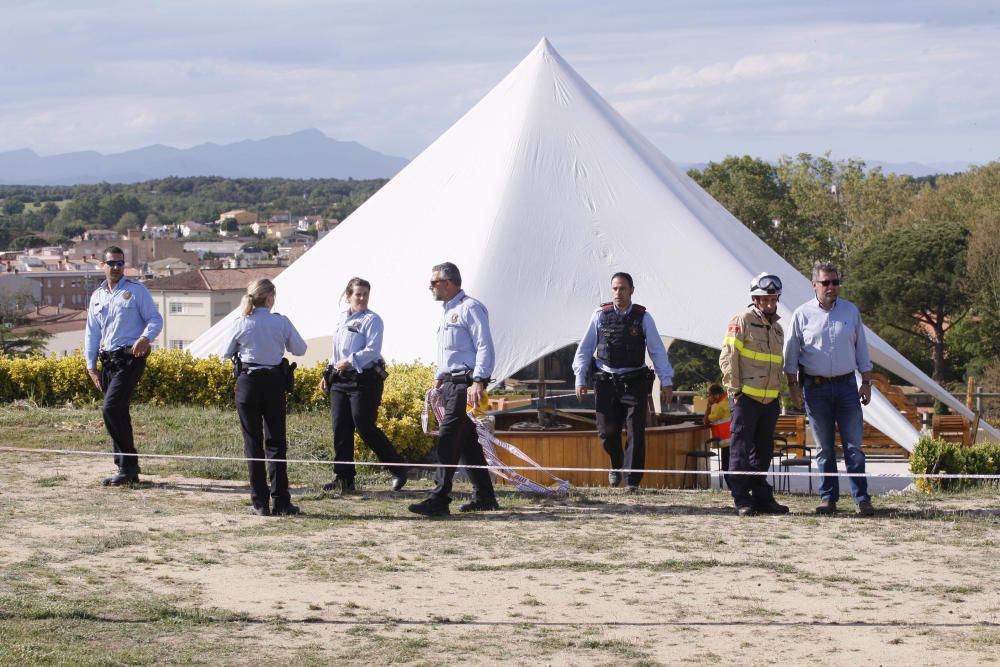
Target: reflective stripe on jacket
x,y
751,360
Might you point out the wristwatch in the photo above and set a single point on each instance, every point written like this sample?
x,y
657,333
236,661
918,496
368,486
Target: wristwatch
x,y
864,382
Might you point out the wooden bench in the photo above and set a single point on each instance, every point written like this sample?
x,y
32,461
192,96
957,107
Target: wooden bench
x,y
792,428
951,428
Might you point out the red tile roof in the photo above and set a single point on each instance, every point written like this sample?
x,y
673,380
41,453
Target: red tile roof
x,y
213,279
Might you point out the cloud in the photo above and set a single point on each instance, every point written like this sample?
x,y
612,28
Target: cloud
x,y
748,68
393,75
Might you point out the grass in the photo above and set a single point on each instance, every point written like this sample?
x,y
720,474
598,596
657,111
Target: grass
x,y
175,571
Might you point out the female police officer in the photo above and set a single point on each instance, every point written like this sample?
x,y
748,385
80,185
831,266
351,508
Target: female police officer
x,y
260,338
355,378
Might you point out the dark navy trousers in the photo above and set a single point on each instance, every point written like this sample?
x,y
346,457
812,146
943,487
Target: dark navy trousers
x,y
119,385
458,442
354,405
752,449
260,402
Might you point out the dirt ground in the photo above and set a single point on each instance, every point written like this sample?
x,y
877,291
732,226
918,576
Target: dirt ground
x,y
596,578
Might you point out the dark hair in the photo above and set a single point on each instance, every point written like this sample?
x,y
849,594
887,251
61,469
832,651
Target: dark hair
x,y
448,271
824,267
355,282
113,250
624,276
716,390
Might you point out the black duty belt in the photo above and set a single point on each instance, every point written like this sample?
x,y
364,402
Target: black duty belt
x,y
631,376
458,377
819,379
259,368
112,358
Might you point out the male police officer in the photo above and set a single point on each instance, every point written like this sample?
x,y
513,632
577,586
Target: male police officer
x,y
620,332
751,372
121,321
825,346
464,364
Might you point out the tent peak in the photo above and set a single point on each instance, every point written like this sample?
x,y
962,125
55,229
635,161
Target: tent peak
x,y
544,46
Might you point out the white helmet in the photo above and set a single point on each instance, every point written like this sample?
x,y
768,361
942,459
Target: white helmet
x,y
765,284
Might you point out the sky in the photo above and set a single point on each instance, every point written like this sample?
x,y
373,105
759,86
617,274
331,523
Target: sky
x,y
889,81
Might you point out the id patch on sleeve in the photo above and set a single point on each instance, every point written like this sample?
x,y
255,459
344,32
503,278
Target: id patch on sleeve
x,y
734,328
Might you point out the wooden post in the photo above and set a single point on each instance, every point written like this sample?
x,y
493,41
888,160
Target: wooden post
x,y
970,389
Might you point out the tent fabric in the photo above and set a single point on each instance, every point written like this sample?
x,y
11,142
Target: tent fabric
x,y
539,193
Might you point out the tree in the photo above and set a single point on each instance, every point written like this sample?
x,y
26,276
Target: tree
x,y
230,225
28,241
13,207
912,279
24,342
126,222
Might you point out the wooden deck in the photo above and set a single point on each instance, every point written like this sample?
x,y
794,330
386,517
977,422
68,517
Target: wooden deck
x,y
666,449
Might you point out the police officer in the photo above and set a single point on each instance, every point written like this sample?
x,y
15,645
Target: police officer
x,y
620,332
464,363
751,372
354,379
260,339
121,321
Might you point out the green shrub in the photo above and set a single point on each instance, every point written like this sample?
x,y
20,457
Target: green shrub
x,y
174,377
937,456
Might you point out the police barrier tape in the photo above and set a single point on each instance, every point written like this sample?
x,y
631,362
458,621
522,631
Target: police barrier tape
x,y
489,443
194,457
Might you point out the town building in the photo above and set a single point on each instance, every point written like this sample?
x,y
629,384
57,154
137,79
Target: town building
x,y
193,301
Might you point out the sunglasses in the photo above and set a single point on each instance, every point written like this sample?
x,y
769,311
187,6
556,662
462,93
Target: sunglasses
x,y
115,262
439,280
826,283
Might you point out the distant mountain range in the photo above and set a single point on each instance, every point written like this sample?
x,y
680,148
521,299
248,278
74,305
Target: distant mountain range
x,y
305,154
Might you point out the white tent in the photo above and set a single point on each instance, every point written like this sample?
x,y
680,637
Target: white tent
x,y
539,193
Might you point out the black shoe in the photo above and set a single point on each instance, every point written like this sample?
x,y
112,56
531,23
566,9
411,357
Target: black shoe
x,y
865,508
331,485
614,478
431,507
121,478
398,482
773,507
347,486
260,510
477,505
632,488
285,510
826,506
746,511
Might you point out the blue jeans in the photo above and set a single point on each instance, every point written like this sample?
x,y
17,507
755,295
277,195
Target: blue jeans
x,y
837,404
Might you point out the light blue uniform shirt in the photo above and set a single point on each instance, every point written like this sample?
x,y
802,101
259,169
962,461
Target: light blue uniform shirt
x,y
262,338
827,343
117,318
358,338
654,345
464,340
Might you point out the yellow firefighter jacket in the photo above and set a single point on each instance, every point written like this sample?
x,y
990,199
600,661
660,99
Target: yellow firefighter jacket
x,y
751,356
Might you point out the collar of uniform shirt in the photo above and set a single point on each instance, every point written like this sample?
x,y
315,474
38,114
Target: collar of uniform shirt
x,y
455,300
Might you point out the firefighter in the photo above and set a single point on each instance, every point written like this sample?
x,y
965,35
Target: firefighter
x,y
751,364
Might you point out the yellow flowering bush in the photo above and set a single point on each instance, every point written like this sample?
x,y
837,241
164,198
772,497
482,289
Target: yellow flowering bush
x,y
937,456
174,377
399,416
